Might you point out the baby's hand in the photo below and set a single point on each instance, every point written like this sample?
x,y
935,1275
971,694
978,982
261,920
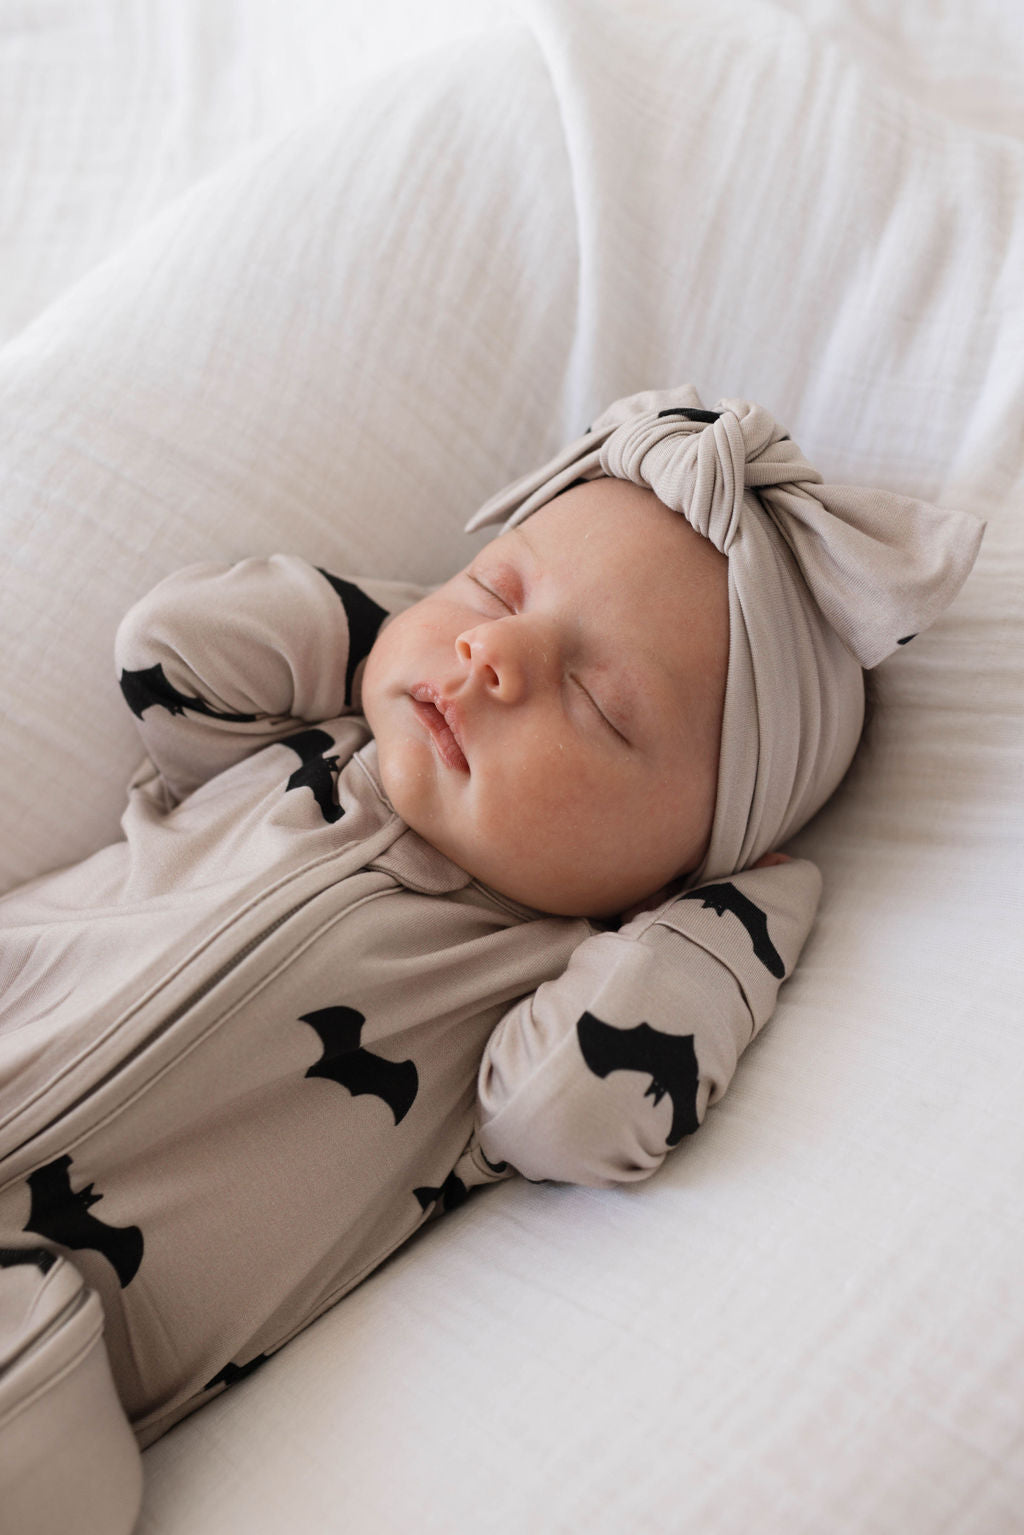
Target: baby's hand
x,y
769,860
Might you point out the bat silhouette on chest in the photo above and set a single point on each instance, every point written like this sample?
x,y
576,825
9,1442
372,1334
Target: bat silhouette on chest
x,y
63,1215
725,897
668,1059
347,1062
318,773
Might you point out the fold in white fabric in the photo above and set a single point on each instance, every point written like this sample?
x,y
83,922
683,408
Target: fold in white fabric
x,y
824,581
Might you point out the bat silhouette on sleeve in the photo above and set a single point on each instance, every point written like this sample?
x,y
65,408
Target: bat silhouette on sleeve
x,y
668,1059
364,620
318,773
143,689
452,1193
725,897
62,1215
346,1061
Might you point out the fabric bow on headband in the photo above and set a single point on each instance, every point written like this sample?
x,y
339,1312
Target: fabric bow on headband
x,y
823,580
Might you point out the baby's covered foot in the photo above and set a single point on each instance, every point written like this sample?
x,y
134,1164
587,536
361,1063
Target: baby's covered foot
x,y
68,1459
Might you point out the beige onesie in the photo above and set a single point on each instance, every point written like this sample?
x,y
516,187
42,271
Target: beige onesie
x,y
249,1049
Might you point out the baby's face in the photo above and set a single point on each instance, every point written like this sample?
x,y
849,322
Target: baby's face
x,y
550,718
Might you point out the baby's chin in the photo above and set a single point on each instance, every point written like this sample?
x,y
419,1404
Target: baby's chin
x,y
560,892
599,893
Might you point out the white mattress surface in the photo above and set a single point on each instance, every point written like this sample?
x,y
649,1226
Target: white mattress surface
x,y
325,279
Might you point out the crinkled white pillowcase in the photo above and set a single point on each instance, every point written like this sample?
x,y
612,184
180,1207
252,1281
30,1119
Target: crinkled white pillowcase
x,y
337,346
348,340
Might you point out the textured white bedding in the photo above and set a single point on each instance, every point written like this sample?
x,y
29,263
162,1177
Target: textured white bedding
x,y
402,286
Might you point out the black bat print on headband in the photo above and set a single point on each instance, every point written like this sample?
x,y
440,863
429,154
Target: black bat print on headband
x,y
690,413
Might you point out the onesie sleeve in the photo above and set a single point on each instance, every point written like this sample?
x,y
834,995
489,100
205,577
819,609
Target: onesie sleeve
x,y
222,659
599,1073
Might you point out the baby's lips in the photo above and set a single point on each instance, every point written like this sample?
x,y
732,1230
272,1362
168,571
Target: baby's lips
x,y
437,716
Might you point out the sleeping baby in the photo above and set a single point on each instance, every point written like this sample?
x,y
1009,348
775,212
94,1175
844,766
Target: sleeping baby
x,y
419,892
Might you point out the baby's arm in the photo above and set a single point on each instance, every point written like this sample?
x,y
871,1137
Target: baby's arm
x,y
597,1075
219,660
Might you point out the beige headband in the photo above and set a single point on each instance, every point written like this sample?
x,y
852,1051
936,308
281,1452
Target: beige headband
x,y
823,580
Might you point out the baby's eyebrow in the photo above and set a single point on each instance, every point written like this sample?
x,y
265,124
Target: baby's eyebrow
x,y
526,542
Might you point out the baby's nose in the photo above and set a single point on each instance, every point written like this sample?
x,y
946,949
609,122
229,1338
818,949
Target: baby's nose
x,y
507,655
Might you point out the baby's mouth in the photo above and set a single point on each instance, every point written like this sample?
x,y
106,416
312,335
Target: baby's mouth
x,y
438,716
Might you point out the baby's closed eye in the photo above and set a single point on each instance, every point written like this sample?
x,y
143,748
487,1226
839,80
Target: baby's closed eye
x,y
598,710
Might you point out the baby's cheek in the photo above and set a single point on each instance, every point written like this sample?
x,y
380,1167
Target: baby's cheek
x,y
573,815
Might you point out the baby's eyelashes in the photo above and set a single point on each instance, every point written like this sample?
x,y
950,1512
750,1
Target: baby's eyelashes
x,y
502,582
489,592
602,716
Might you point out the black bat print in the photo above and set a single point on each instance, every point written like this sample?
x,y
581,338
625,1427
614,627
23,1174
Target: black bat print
x,y
725,897
690,413
364,620
61,1214
669,1059
345,1061
318,772
452,1193
234,1372
14,1257
145,688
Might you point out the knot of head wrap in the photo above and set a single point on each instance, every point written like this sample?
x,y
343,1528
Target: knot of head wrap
x,y
824,580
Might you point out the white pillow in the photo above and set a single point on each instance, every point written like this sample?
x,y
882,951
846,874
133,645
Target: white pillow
x,y
345,341
339,346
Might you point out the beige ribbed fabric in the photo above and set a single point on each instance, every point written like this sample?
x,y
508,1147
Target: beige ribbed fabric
x,y
824,580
